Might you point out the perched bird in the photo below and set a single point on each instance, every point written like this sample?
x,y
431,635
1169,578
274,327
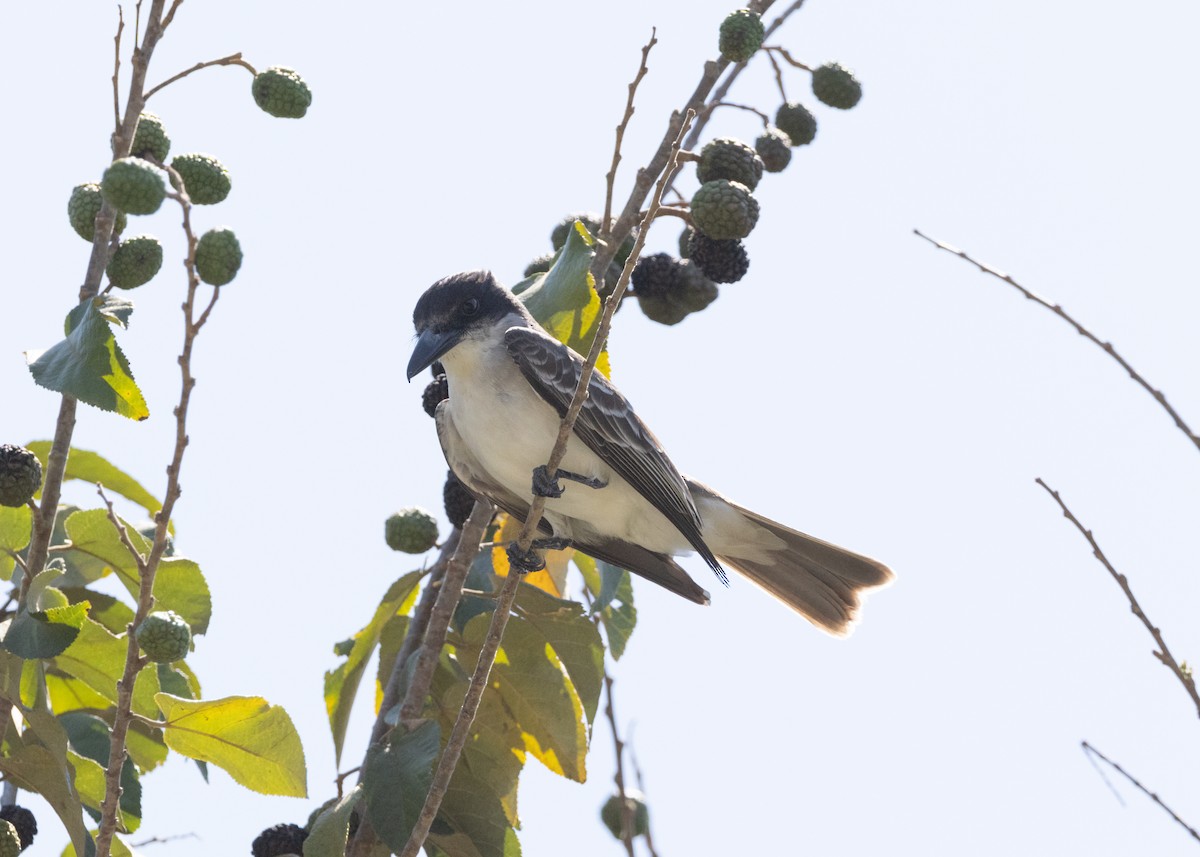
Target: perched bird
x,y
621,499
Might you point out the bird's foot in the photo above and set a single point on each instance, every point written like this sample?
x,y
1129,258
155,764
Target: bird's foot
x,y
524,561
552,543
545,485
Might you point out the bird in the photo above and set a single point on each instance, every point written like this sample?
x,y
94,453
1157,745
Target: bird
x,y
616,495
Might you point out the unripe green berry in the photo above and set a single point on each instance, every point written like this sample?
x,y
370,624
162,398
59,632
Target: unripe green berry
x,y
204,177
610,814
10,840
724,209
20,475
82,208
133,185
836,86
135,262
411,530
797,122
281,92
727,158
775,149
150,140
742,34
218,256
165,637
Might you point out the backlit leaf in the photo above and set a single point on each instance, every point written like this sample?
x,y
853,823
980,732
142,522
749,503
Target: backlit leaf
x,y
396,780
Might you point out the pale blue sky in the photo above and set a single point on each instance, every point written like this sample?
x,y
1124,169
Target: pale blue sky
x,y
913,400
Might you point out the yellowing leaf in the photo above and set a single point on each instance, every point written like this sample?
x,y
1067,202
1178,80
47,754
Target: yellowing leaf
x,y
253,741
551,579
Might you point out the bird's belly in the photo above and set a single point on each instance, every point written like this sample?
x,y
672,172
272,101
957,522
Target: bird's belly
x,y
517,437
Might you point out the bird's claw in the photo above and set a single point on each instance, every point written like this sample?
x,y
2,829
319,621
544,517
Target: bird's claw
x,y
545,485
524,561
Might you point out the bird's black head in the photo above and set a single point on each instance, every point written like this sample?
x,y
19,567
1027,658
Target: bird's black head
x,y
452,308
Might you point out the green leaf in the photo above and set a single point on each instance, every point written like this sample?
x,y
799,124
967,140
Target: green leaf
x,y
492,760
97,658
253,741
568,629
396,780
119,848
91,467
391,639
89,364
45,633
35,769
564,299
612,591
331,828
15,527
341,683
539,693
146,746
68,693
111,612
89,783
179,584
474,823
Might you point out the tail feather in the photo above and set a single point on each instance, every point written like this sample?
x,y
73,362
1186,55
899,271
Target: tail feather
x,y
821,581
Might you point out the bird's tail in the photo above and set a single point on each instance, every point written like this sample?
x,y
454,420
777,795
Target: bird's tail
x,y
819,580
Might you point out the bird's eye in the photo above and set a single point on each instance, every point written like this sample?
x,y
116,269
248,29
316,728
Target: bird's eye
x,y
470,306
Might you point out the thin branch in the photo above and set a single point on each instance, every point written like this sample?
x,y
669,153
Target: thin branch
x,y
1092,751
610,179
116,77
783,52
232,59
778,76
1163,654
713,105
342,777
160,840
170,16
119,526
619,775
637,772
676,211
1107,347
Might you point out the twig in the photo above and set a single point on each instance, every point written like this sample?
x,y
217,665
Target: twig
x,y
783,52
232,59
713,105
119,526
170,16
487,656
161,840
124,714
1107,347
1163,654
342,777
116,78
433,637
610,179
778,76
1090,750
619,775
676,211
637,771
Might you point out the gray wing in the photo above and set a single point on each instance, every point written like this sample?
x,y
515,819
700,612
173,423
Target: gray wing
x,y
609,427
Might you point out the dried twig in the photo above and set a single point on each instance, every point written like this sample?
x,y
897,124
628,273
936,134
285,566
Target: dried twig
x,y
487,656
1107,347
778,77
119,526
1092,751
162,840
232,59
1163,654
713,105
610,179
788,58
116,77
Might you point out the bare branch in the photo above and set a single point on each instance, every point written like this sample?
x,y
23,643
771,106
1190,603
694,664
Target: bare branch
x,y
1092,751
619,774
1107,347
637,772
116,78
170,16
119,526
1163,654
778,76
232,59
788,58
610,179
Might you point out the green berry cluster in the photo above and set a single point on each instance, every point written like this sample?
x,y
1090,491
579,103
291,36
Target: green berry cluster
x,y
669,289
165,637
411,530
741,34
20,475
135,262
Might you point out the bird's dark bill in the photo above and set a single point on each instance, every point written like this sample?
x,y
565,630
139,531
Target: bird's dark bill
x,y
430,346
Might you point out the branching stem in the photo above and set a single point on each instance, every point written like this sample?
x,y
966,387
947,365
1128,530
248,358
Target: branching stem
x,y
1092,751
232,59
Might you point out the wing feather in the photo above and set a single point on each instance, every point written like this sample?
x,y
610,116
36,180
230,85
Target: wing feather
x,y
609,427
